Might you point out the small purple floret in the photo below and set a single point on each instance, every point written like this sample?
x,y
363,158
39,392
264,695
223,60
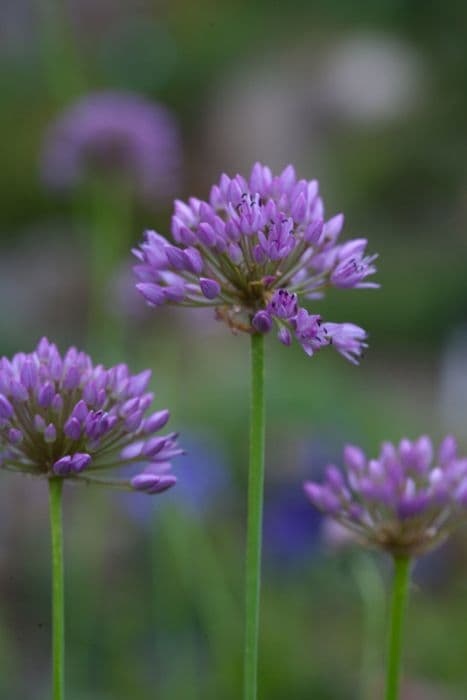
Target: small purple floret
x,y
6,409
262,322
15,436
144,482
80,461
157,421
285,336
62,466
50,433
283,304
210,288
166,482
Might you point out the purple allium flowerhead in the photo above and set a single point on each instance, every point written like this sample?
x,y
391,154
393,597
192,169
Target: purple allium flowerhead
x,y
253,252
116,135
65,417
406,501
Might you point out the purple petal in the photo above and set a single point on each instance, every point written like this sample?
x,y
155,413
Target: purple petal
x,y
80,461
144,482
262,322
210,288
156,421
72,429
6,409
153,293
165,482
63,466
285,336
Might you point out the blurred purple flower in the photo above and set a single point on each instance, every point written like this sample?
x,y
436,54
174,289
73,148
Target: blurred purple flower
x,y
64,417
401,502
291,529
203,478
114,134
252,252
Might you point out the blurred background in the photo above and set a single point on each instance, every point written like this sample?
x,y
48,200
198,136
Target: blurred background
x,y
108,110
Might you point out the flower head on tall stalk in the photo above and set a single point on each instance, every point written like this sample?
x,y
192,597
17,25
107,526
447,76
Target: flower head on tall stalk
x,y
114,135
62,416
254,251
64,419
405,501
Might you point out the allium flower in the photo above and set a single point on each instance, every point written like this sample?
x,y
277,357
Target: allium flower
x,y
253,252
64,417
114,134
404,502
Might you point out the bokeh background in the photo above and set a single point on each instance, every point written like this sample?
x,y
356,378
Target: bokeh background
x,y
158,98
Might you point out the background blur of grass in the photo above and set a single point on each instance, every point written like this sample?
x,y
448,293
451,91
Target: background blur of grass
x,y
368,97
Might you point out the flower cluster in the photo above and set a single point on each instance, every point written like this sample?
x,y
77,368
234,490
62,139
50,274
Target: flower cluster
x,y
64,417
253,251
401,502
115,134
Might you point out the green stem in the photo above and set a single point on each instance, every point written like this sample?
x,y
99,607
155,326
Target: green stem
x,y
371,589
255,514
400,593
103,208
58,607
61,66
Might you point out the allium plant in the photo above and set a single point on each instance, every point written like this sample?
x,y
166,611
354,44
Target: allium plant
x,y
113,134
109,150
254,252
406,502
64,419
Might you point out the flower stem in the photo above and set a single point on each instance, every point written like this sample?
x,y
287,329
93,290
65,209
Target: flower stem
x,y
255,515
58,607
400,592
105,211
370,585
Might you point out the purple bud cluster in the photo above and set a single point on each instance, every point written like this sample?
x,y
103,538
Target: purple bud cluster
x,y
256,248
405,501
62,416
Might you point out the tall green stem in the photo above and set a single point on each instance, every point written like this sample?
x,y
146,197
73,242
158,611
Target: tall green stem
x,y
61,69
400,593
58,606
372,596
255,516
105,209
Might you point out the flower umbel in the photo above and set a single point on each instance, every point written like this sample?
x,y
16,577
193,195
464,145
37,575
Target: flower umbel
x,y
65,417
403,502
114,134
253,252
